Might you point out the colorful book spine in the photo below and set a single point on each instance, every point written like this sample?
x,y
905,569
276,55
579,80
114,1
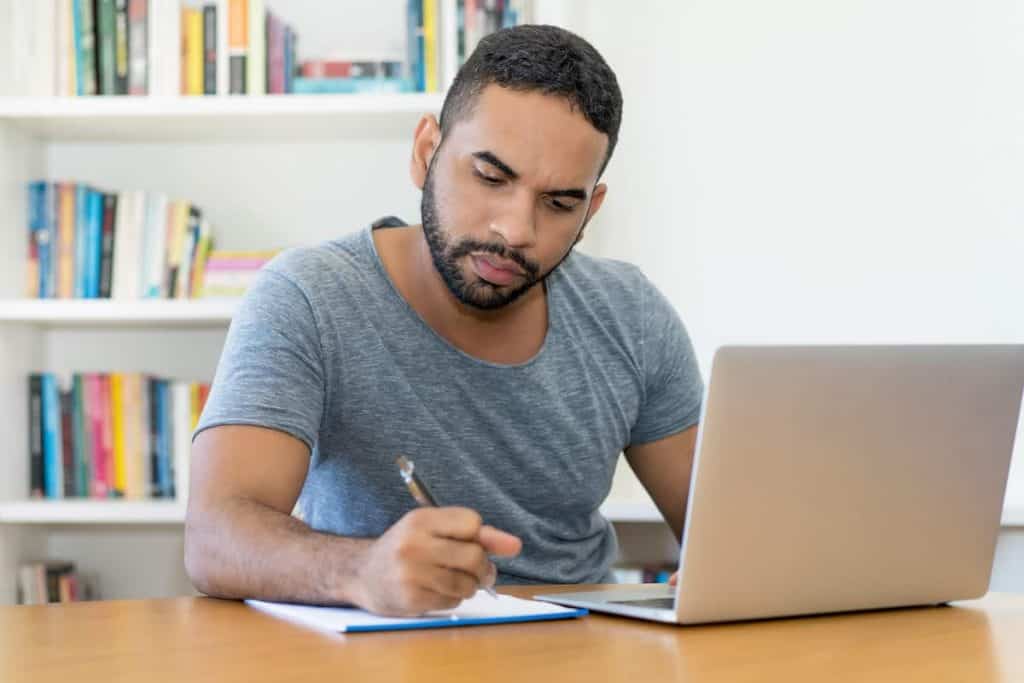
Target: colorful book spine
x,y
121,53
192,51
81,437
256,64
138,39
105,21
275,55
94,241
35,440
430,47
37,227
66,241
238,45
81,259
53,460
67,434
210,50
118,429
107,244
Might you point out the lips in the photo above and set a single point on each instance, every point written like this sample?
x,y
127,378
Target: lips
x,y
496,270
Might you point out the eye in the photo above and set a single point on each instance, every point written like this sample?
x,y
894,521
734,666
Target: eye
x,y
560,206
489,180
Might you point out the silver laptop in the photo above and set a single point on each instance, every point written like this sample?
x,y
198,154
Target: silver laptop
x,y
831,479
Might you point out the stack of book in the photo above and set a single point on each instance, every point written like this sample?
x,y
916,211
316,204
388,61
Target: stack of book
x,y
40,583
229,274
110,435
89,244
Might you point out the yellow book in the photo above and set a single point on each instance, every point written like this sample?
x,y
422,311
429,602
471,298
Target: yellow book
x,y
430,45
192,41
66,242
177,225
117,418
193,396
131,400
199,269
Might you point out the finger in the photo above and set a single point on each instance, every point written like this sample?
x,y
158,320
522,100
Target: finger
x,y
498,542
452,583
426,600
449,522
468,557
673,579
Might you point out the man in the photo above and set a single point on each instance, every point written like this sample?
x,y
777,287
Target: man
x,y
510,369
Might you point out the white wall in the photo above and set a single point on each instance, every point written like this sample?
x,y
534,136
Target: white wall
x,y
820,172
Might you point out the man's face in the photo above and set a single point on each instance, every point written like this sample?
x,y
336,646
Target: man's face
x,y
507,194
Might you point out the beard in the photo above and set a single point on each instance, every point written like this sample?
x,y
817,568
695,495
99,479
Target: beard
x,y
468,288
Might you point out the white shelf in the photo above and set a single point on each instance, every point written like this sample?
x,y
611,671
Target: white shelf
x,y
67,312
217,117
92,512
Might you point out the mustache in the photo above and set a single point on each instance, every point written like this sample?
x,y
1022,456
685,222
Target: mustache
x,y
468,246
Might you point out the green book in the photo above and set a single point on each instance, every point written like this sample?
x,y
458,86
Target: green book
x,y
105,35
83,438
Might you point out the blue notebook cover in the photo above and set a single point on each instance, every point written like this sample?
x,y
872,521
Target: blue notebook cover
x,y
482,608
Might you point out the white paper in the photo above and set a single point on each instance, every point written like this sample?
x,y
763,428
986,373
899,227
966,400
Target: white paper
x,y
480,606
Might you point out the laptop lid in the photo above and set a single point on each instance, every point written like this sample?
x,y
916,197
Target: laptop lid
x,y
845,478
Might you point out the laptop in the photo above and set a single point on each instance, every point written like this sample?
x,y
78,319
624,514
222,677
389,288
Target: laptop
x,y
834,479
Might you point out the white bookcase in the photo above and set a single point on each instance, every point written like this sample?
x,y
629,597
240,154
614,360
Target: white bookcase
x,y
268,172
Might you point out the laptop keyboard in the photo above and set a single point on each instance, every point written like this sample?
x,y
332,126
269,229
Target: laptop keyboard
x,y
651,603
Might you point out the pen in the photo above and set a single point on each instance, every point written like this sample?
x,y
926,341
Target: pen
x,y
419,491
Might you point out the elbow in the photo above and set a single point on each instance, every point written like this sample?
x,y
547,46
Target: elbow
x,y
199,563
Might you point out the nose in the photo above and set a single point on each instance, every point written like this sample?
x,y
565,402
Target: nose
x,y
516,224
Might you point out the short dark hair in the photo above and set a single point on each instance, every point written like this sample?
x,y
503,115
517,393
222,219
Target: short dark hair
x,y
545,59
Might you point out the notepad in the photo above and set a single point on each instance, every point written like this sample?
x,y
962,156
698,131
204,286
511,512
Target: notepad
x,y
479,609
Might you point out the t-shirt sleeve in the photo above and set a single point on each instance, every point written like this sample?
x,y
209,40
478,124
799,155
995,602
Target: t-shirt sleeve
x,y
271,370
673,388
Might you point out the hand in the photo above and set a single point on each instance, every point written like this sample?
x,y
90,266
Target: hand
x,y
674,579
432,558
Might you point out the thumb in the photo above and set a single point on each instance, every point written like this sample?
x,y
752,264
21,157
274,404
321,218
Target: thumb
x,y
498,542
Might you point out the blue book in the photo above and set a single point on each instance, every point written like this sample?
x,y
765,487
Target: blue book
x,y
53,442
81,239
479,609
414,44
352,86
289,58
94,243
37,208
165,429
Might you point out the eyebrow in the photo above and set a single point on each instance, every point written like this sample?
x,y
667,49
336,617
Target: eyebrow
x,y
493,160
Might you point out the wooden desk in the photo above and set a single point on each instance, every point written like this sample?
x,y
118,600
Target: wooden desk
x,y
200,639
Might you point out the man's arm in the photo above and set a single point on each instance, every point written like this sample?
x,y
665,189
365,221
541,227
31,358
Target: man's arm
x,y
242,542
663,467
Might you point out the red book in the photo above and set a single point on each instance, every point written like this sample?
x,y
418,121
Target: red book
x,y
275,55
326,68
94,414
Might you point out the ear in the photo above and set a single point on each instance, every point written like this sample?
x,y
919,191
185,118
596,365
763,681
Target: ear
x,y
596,199
425,142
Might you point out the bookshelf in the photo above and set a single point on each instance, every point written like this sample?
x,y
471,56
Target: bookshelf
x,y
269,172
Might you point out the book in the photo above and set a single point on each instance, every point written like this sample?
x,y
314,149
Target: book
x,y
121,47
53,460
138,52
210,55
85,52
479,609
238,45
256,63
348,86
35,438
192,51
163,36
106,48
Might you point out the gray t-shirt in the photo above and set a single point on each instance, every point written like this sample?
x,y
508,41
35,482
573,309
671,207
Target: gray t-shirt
x,y
326,349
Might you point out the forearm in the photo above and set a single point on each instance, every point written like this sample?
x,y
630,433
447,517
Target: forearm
x,y
243,549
